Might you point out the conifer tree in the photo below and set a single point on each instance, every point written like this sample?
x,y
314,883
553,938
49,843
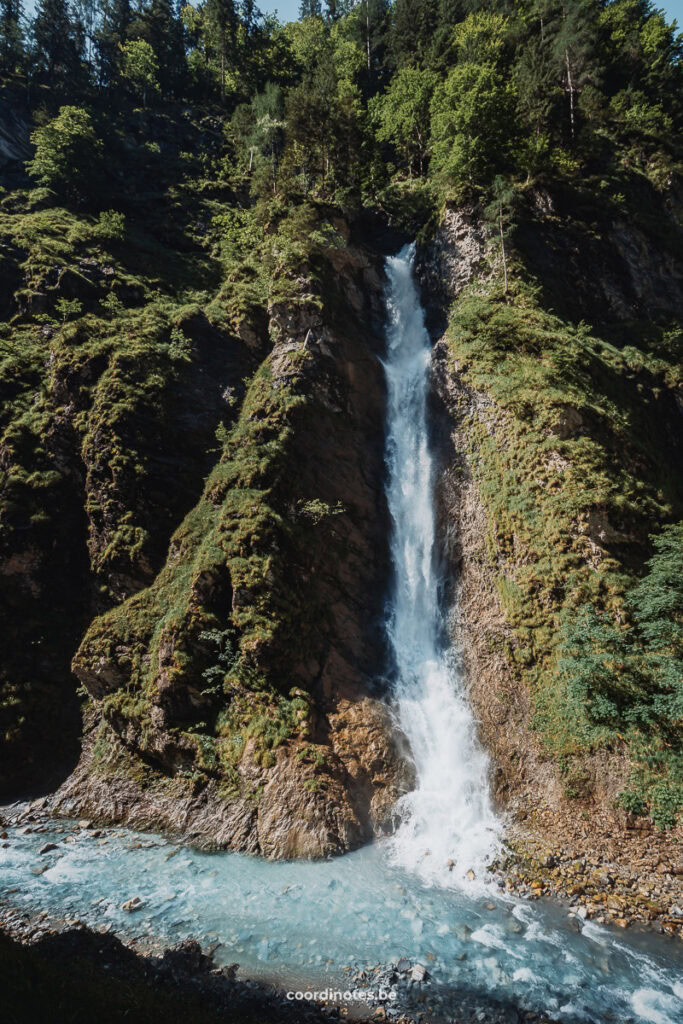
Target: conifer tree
x,y
159,25
11,36
223,19
414,23
110,35
574,47
310,9
57,46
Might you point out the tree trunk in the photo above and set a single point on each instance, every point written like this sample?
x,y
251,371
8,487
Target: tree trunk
x,y
570,84
367,31
502,246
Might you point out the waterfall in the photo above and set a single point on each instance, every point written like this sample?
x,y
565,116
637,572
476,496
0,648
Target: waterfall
x,y
447,823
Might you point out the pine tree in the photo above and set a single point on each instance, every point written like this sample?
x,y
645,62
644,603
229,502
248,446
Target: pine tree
x,y
310,9
536,84
57,47
110,35
414,23
86,12
223,19
159,25
370,24
574,47
337,9
11,36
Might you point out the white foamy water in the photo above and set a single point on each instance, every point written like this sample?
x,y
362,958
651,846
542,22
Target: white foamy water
x,y
448,817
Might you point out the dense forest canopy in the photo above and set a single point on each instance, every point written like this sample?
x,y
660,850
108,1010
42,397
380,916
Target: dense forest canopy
x,y
458,91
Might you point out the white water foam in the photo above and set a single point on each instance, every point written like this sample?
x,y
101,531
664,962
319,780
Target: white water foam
x,y
448,817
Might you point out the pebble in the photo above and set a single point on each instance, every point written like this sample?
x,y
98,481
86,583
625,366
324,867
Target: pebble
x,y
135,903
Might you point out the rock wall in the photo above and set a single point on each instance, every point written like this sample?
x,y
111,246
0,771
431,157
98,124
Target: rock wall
x,y
572,807
284,564
15,146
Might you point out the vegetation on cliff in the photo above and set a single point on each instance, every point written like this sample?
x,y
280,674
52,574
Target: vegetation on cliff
x,y
576,465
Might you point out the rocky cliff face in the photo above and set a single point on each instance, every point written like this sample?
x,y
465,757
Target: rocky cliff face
x,y
527,527
231,700
15,147
97,465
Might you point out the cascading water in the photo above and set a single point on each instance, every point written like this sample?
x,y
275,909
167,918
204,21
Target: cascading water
x,y
448,817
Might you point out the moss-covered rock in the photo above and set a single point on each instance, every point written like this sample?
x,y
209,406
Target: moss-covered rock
x,y
241,667
562,462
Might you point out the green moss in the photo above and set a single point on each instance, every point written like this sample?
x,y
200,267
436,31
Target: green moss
x,y
572,460
111,320
235,550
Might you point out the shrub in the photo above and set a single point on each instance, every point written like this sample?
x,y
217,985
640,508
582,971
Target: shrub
x,y
111,226
67,154
629,677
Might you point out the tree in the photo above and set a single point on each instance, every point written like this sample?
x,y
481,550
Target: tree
x,y
222,18
402,114
627,677
413,26
259,131
310,9
57,47
644,53
140,68
158,24
499,213
536,85
67,154
110,34
574,50
337,9
473,111
310,118
86,12
11,36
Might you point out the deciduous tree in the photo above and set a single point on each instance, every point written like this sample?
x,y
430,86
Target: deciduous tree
x,y
140,68
402,115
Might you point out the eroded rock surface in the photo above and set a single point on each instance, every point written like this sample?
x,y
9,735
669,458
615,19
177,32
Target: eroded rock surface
x,y
277,577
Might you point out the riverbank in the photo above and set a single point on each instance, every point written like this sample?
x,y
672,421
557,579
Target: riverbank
x,y
598,879
55,970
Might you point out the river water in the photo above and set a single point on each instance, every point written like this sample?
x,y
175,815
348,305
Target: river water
x,y
304,925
